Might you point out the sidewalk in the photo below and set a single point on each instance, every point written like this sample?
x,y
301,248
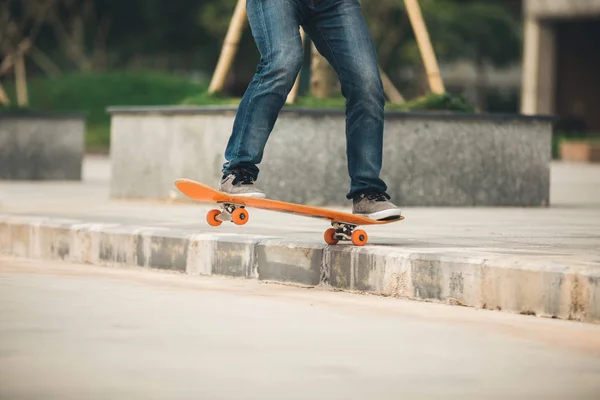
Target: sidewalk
x,y
532,261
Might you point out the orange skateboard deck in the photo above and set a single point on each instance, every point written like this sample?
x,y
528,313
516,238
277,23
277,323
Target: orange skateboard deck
x,y
233,209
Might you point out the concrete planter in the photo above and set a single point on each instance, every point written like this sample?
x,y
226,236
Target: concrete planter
x,y
37,146
431,158
580,151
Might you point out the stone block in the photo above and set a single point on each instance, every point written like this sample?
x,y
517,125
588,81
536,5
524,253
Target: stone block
x,y
234,256
40,147
430,158
222,254
280,260
118,245
173,146
163,249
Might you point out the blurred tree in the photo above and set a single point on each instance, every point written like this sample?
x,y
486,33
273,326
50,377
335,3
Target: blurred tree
x,y
388,24
81,30
483,32
188,34
162,30
479,31
324,81
19,28
214,17
99,34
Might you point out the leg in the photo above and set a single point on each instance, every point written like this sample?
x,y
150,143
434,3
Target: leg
x,y
340,33
275,28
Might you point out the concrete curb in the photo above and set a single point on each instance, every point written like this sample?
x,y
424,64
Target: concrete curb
x,y
525,285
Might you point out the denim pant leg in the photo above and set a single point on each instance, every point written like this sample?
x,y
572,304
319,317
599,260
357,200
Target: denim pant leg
x,y
341,35
275,28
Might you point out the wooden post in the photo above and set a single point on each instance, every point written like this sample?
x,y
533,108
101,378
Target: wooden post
x,y
324,81
390,90
21,79
294,92
230,46
9,61
423,40
3,96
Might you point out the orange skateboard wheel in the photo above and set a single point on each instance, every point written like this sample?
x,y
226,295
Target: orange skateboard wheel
x,y
330,236
239,216
359,237
211,218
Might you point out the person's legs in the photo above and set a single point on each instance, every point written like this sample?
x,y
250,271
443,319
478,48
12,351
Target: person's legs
x,y
340,33
275,28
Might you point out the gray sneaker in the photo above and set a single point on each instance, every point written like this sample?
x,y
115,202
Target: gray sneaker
x,y
240,183
375,206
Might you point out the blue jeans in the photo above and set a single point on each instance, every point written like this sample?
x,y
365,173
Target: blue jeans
x,y
340,34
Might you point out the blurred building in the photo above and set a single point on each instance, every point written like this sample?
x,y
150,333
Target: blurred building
x,y
561,61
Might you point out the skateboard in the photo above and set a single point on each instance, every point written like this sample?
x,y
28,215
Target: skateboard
x,y
233,209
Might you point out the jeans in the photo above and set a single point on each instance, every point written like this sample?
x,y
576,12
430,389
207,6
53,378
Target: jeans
x,y
340,34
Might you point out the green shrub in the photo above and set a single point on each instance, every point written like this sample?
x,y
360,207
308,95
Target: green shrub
x,y
440,102
93,93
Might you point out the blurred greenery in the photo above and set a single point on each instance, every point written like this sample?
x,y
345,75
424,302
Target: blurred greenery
x,y
447,102
480,31
92,93
439,102
188,34
155,52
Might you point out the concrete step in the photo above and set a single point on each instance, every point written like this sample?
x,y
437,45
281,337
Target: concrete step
x,y
549,285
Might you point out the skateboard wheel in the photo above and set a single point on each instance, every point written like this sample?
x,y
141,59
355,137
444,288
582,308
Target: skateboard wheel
x,y
359,237
239,216
211,218
330,236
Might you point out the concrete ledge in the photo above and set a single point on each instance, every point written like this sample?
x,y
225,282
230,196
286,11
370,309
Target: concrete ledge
x,y
39,146
430,158
528,285
291,110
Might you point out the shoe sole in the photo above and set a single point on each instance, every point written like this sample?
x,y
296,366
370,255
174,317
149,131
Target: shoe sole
x,y
252,194
393,213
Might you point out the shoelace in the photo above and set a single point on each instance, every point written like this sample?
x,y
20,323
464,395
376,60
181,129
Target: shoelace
x,y
243,176
377,196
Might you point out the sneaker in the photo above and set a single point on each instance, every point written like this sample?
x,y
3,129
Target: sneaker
x,y
376,206
240,183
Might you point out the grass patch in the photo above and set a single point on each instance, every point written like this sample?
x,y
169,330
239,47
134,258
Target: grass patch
x,y
92,93
437,102
440,102
206,99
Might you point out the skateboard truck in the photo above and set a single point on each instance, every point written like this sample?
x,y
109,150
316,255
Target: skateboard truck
x,y
344,231
228,212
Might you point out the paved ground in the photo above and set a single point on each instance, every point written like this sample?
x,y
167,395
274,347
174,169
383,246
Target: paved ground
x,y
538,261
84,332
570,228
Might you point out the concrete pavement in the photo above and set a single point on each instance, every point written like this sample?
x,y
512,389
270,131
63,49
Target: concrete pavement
x,y
84,332
531,261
